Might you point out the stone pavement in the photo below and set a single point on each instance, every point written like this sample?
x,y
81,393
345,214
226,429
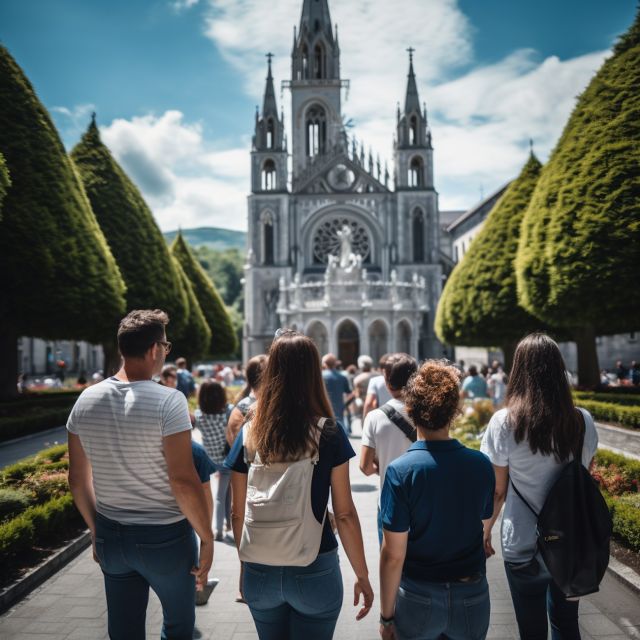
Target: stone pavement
x,y
71,605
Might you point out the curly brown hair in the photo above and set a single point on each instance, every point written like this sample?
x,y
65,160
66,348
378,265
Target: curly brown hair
x,y
432,395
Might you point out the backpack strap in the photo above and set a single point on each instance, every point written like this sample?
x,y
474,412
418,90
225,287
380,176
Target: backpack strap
x,y
398,419
522,497
580,445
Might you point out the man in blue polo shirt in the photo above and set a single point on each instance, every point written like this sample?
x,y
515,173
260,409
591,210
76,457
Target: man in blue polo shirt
x,y
434,499
337,385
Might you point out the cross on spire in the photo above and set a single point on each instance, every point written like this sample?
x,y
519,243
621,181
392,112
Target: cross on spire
x,y
411,51
269,56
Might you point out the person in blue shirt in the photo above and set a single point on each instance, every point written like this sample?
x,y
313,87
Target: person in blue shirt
x,y
474,385
186,383
336,384
433,502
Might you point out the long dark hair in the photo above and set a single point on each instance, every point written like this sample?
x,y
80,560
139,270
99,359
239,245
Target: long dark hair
x,y
539,401
253,371
292,398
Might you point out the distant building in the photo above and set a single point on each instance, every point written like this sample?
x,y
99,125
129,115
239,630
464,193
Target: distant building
x,y
38,358
338,246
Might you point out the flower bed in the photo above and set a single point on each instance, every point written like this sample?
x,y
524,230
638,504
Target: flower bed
x,y
36,509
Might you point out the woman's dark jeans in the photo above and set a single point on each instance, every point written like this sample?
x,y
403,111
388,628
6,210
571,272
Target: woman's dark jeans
x,y
136,557
534,594
295,603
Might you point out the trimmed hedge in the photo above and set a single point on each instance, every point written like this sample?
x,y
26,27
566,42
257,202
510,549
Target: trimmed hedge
x,y
628,465
628,400
41,525
626,521
613,412
17,426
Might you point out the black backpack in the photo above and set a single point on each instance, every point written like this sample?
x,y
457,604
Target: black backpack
x,y
397,418
574,529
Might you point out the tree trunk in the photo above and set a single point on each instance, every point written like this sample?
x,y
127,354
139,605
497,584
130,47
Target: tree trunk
x,y
8,362
588,368
508,350
112,360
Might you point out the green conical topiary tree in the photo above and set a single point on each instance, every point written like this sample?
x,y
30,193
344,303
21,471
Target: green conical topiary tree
x,y
194,340
5,181
223,339
579,248
153,281
59,278
479,305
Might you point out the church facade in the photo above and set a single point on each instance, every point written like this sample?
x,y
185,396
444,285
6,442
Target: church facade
x,y
338,247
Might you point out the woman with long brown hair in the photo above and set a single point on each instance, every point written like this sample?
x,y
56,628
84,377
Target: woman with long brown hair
x,y
290,600
529,442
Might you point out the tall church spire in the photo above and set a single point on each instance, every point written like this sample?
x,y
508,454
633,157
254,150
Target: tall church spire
x,y
412,101
316,18
269,106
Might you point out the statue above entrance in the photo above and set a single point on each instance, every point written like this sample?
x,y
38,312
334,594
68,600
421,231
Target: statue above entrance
x,y
346,266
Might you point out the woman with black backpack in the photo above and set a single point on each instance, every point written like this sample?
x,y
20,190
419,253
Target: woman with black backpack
x,y
530,443
286,461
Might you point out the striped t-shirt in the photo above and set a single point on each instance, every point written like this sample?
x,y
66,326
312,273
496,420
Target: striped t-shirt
x,y
121,426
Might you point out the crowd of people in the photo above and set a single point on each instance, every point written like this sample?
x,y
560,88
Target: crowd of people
x,y
281,452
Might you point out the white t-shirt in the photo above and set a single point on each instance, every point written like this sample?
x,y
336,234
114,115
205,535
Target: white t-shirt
x,y
385,437
121,426
533,474
378,388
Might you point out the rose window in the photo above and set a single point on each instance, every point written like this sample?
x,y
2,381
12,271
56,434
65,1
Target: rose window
x,y
326,241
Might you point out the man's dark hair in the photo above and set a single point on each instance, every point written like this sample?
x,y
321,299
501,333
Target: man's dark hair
x,y
399,368
139,330
473,370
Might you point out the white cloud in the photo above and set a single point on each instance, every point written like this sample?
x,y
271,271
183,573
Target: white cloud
x,y
481,121
72,123
185,180
182,5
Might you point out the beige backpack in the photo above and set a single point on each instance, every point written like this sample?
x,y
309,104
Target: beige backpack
x,y
279,526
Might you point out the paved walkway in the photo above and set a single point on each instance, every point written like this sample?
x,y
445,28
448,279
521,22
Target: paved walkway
x,y
624,441
19,448
71,605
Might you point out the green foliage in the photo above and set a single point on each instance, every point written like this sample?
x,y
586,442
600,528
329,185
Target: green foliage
x,y
16,536
629,400
223,338
60,279
153,281
226,269
613,412
626,521
13,501
38,419
5,181
211,237
628,466
193,341
479,306
579,247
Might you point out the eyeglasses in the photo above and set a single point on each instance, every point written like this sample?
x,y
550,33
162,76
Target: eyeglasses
x,y
165,344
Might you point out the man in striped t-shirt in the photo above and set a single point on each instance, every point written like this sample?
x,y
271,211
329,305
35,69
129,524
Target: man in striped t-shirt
x,y
133,479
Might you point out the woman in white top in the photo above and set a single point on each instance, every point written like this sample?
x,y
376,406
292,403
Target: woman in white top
x,y
529,442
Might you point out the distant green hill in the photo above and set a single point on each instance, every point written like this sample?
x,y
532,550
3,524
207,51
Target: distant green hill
x,y
211,237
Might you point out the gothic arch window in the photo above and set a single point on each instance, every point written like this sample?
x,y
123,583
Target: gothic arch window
x,y
305,62
316,126
416,172
269,176
318,61
266,220
413,130
270,134
326,241
417,232
378,339
403,337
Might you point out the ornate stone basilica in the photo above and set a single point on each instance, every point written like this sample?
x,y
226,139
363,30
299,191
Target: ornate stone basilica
x,y
338,248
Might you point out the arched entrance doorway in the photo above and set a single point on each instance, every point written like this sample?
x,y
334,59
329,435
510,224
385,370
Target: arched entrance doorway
x,y
378,339
403,337
348,342
318,333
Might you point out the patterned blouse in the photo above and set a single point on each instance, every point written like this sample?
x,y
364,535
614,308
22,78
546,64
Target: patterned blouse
x,y
213,427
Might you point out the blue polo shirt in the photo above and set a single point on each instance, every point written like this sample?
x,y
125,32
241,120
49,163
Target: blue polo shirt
x,y
337,385
439,492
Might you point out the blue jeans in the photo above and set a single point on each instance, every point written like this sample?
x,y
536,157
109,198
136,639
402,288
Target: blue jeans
x,y
136,557
223,500
457,610
294,603
534,594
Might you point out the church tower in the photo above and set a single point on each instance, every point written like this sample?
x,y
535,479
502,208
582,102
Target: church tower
x,y
315,86
269,149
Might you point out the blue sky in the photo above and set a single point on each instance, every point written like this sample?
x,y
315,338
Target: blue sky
x,y
175,82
